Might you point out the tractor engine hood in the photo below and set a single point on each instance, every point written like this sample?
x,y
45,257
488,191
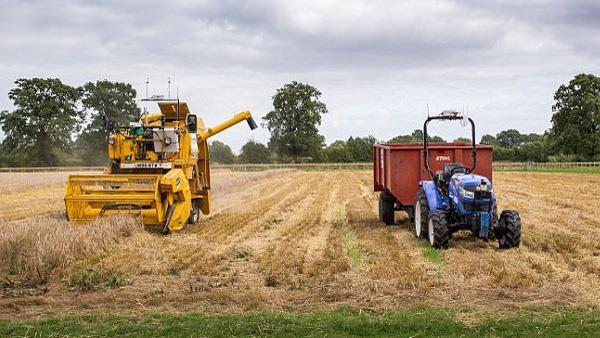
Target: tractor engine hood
x,y
472,187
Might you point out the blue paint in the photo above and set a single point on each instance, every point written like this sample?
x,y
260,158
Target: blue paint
x,y
468,198
484,224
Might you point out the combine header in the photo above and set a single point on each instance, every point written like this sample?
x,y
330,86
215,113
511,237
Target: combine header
x,y
159,169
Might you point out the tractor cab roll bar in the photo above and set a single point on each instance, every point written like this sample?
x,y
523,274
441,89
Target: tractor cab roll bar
x,y
448,116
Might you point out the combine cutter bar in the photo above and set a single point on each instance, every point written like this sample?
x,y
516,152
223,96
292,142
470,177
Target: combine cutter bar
x,y
90,196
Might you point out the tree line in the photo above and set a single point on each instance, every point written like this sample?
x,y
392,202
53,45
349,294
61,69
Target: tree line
x,y
57,124
297,111
54,123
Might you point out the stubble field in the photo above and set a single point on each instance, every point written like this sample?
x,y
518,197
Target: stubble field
x,y
294,241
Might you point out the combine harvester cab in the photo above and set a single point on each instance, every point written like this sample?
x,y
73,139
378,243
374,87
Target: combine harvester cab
x,y
159,170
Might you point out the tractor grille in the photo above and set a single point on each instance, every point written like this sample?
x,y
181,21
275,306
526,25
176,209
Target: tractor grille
x,y
476,206
483,195
479,195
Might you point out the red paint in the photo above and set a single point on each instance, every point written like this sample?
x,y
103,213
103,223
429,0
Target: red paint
x,y
398,168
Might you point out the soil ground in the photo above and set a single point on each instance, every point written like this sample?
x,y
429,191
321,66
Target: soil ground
x,y
304,241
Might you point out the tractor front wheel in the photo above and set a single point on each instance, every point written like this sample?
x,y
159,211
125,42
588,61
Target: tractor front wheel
x,y
509,229
386,208
439,232
421,215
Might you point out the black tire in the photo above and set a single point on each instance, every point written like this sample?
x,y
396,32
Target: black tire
x,y
421,207
494,223
439,231
509,230
386,208
194,213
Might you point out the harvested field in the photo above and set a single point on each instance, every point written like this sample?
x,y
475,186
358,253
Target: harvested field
x,y
294,240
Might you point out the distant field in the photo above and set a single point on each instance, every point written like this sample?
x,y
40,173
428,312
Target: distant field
x,y
576,170
294,241
572,167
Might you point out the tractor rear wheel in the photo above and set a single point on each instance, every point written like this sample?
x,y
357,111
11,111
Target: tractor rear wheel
x,y
386,208
421,215
509,229
439,232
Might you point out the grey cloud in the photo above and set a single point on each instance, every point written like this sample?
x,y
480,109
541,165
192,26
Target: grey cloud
x,y
388,58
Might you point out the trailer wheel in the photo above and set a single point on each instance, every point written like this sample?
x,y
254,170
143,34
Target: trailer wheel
x,y
439,232
386,208
194,213
509,229
421,215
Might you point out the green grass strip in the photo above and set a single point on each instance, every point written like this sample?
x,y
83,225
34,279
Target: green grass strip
x,y
417,322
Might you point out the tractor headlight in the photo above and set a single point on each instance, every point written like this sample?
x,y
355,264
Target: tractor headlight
x,y
466,193
111,140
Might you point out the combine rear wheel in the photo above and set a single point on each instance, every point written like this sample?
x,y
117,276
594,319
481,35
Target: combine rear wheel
x,y
421,215
509,230
194,213
386,208
439,233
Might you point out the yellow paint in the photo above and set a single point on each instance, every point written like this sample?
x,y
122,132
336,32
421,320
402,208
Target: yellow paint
x,y
167,179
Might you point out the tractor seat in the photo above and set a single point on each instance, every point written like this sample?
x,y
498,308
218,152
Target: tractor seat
x,y
453,168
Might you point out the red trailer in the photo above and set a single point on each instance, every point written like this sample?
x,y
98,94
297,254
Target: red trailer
x,y
398,168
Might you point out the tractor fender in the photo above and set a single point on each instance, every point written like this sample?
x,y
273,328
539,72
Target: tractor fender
x,y
431,193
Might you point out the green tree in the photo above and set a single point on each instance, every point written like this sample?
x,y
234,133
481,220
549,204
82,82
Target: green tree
x,y
488,139
360,149
462,140
45,118
510,138
293,122
254,152
336,152
109,105
436,139
576,117
219,152
416,137
403,139
535,150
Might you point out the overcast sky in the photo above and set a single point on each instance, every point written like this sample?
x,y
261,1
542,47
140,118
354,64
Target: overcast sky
x,y
377,63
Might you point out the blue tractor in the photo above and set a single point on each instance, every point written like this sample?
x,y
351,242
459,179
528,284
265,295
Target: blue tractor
x,y
457,199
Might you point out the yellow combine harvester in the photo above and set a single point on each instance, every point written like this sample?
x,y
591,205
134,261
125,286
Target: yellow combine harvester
x,y
159,169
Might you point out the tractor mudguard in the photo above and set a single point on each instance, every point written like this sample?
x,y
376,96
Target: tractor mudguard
x,y
433,198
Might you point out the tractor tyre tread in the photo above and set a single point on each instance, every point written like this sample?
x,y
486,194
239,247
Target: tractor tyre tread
x,y
441,230
509,235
